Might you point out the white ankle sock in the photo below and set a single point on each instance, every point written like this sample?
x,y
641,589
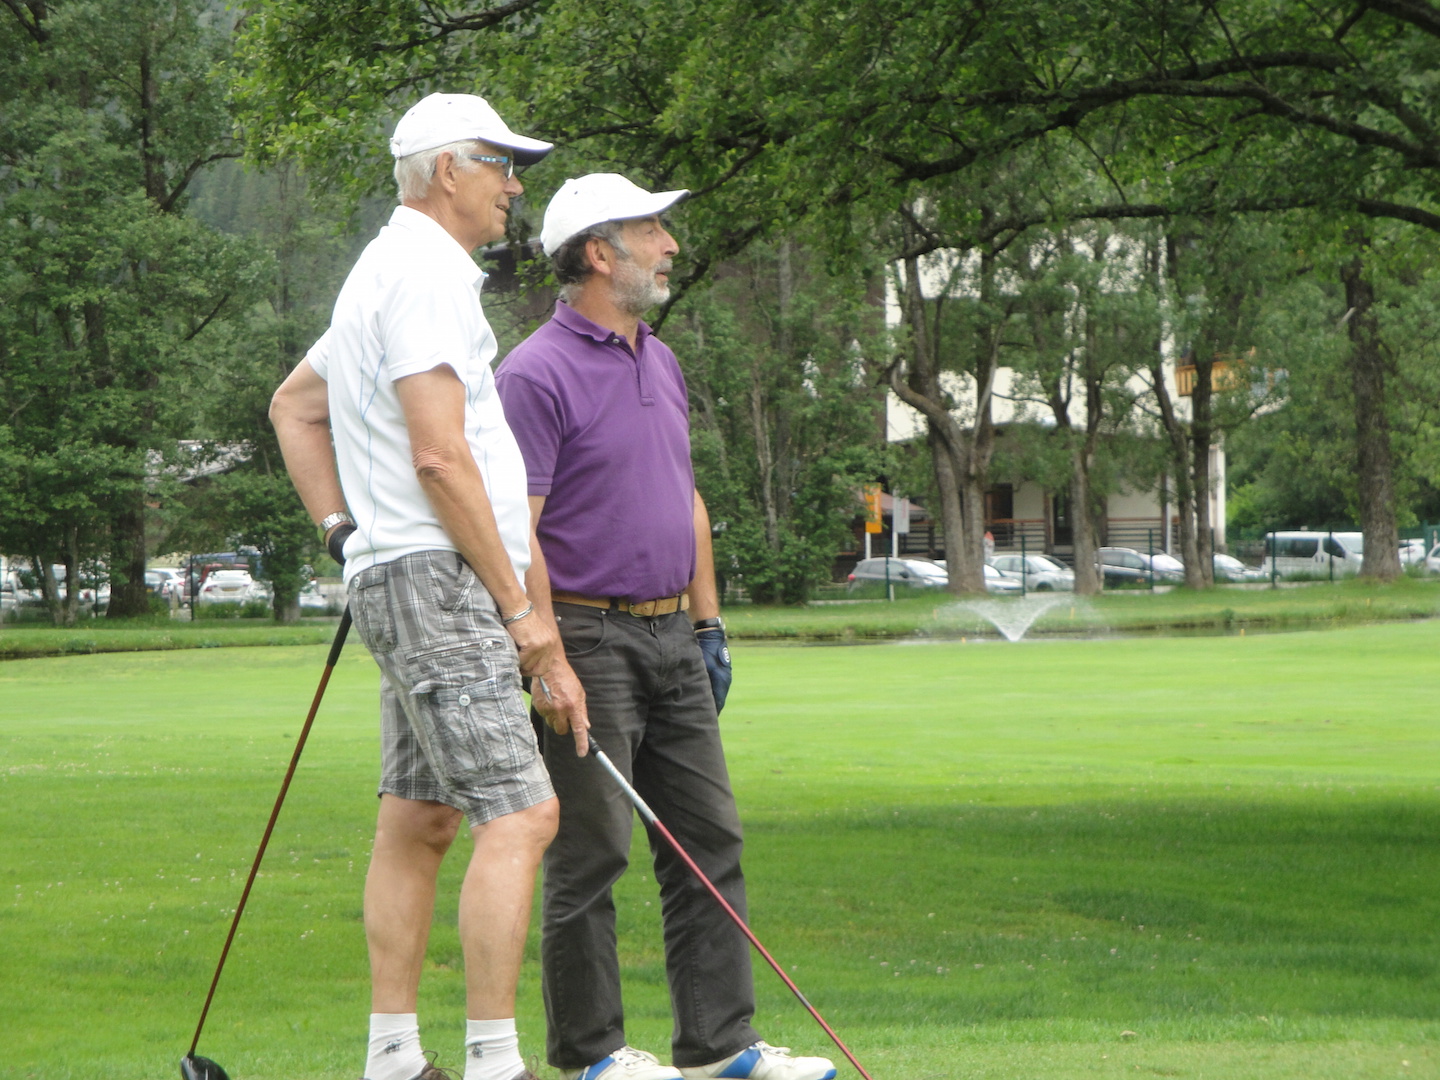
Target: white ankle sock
x,y
492,1050
395,1052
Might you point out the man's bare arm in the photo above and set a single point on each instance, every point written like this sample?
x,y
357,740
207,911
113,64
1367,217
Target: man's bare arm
x,y
434,405
300,412
704,599
562,699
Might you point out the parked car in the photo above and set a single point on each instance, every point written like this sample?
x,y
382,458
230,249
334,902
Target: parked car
x,y
916,573
1126,566
1432,560
1037,572
164,581
1304,552
995,581
230,587
1412,552
1229,568
311,598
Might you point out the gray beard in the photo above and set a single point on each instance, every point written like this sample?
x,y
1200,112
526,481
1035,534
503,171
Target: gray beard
x,y
636,292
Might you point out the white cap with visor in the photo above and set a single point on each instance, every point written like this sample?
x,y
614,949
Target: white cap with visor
x,y
598,198
441,119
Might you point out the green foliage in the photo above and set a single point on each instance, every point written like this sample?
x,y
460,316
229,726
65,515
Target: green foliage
x,y
1297,466
784,424
250,609
111,300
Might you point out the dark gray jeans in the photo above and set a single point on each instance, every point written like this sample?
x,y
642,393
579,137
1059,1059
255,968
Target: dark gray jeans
x,y
652,712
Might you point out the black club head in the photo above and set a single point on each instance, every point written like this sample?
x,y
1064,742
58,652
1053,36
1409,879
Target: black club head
x,y
195,1067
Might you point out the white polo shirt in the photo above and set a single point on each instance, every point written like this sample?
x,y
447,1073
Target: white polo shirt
x,y
410,304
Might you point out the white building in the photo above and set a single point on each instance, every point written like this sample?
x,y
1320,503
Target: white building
x,y
1020,512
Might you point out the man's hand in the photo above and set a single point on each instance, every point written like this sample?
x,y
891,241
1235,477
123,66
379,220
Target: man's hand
x,y
538,642
717,662
560,699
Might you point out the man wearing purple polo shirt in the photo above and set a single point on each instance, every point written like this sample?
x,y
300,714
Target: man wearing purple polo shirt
x,y
599,408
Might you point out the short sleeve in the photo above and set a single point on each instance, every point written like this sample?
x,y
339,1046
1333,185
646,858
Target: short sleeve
x,y
533,415
429,319
319,355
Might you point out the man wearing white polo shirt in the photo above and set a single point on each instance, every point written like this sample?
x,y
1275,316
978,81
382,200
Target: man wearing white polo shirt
x,y
423,498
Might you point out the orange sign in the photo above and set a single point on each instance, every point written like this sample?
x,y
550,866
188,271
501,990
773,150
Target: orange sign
x,y
874,517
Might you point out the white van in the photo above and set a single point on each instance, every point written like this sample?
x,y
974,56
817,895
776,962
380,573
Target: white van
x,y
1314,553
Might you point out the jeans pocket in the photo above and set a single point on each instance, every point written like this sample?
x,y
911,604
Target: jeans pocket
x,y
582,635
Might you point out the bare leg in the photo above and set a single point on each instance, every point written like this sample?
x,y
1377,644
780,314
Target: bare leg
x,y
495,905
411,838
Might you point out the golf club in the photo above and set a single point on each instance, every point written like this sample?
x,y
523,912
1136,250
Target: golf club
x,y
655,823
192,1065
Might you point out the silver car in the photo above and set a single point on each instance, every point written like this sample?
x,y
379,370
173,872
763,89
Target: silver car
x,y
916,573
230,587
1229,568
995,581
1039,573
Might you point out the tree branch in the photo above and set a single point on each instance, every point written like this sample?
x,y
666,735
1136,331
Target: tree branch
x,y
31,16
1424,17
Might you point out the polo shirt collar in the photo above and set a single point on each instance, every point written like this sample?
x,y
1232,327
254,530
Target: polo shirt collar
x,y
571,319
431,233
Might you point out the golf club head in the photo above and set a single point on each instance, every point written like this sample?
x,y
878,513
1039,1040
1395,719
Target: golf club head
x,y
195,1067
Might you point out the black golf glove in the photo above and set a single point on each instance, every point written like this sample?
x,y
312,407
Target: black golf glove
x,y
717,662
336,543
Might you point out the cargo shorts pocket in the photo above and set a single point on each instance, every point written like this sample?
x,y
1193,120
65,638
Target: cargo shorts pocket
x,y
451,580
370,608
469,700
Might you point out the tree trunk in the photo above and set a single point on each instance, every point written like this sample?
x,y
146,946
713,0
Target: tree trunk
x,y
952,451
1368,368
127,562
952,516
1202,433
1184,449
1082,525
975,474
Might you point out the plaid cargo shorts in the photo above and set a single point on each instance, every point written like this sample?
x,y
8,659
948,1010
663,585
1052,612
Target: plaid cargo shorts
x,y
453,724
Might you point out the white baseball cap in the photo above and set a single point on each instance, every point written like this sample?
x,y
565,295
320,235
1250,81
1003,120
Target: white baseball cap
x,y
597,198
447,118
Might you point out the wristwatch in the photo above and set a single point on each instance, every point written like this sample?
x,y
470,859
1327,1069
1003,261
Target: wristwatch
x,y
329,521
710,624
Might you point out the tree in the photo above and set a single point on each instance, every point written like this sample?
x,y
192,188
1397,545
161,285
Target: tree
x,y
842,115
111,296
784,425
252,503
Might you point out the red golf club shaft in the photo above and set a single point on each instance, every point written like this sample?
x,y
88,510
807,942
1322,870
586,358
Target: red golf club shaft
x,y
335,646
655,823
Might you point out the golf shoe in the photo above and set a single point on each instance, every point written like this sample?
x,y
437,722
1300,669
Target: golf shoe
x,y
763,1062
627,1063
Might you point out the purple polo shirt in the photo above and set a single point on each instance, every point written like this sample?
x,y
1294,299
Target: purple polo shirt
x,y
605,433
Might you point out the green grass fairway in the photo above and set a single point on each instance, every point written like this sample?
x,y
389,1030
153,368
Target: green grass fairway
x,y
1210,858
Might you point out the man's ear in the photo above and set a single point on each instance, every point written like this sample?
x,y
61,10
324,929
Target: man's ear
x,y
445,172
600,255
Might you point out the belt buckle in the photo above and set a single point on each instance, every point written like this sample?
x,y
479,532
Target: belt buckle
x,y
643,609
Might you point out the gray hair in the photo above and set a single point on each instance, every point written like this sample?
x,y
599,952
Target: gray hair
x,y
414,173
572,265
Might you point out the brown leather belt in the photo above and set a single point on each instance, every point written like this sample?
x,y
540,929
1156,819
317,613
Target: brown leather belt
x,y
666,605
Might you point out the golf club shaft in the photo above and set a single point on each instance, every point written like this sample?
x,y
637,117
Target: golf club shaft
x,y
655,823
335,647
